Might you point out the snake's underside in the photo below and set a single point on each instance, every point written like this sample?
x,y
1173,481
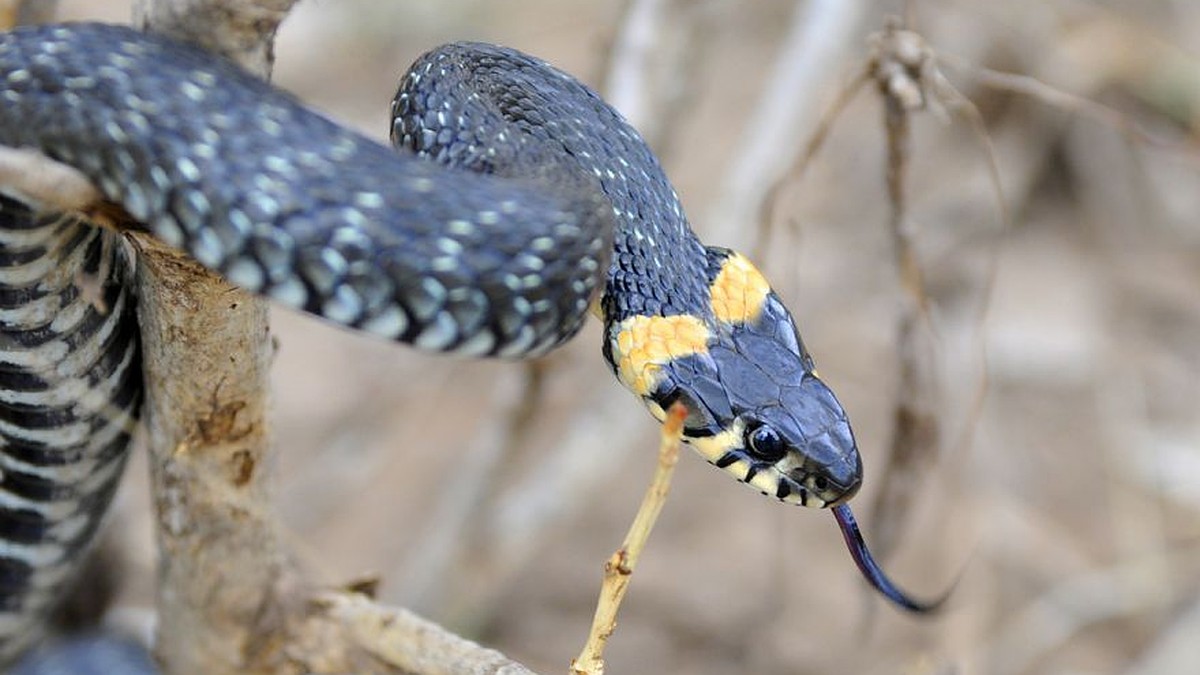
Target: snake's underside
x,y
517,198
70,387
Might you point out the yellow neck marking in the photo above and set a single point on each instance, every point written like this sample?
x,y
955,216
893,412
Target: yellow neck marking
x,y
644,344
739,291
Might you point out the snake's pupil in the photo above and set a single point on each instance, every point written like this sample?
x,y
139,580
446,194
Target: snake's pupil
x,y
765,443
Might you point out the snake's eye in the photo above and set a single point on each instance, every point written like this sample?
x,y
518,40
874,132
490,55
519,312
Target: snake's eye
x,y
764,442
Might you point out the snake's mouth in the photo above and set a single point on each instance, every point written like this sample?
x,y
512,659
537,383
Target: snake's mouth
x,y
820,489
797,489
792,479
790,485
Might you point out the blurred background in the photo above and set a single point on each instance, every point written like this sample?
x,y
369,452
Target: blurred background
x,y
1053,365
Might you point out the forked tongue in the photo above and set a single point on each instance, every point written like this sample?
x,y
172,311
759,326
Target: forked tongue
x,y
871,569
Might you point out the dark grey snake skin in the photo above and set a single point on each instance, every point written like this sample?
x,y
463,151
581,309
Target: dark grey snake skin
x,y
500,259
310,214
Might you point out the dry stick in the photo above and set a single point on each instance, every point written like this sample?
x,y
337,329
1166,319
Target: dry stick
x,y
912,81
363,637
220,433
916,428
31,177
619,567
915,431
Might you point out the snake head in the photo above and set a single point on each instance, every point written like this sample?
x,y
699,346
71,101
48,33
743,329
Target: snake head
x,y
758,411
756,407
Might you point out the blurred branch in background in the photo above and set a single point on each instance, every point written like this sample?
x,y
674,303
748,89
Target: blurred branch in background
x,y
1140,528
1174,649
653,61
811,57
1080,601
26,12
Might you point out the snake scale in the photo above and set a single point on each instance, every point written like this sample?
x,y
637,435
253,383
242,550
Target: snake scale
x,y
517,199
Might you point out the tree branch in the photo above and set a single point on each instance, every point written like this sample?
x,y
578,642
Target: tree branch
x,y
206,353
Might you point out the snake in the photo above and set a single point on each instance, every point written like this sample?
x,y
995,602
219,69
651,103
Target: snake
x,y
514,202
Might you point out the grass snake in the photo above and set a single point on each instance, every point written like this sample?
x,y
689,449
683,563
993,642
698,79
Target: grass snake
x,y
517,199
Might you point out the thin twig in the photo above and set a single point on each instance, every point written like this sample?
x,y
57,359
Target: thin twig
x,y
618,570
963,106
902,67
1036,89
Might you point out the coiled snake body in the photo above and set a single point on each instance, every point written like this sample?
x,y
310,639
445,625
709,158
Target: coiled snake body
x,y
517,198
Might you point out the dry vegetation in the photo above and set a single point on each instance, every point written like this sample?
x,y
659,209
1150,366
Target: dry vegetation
x,y
487,495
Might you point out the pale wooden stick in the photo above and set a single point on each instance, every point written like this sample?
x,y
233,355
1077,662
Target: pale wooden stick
x,y
206,352
618,570
346,632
